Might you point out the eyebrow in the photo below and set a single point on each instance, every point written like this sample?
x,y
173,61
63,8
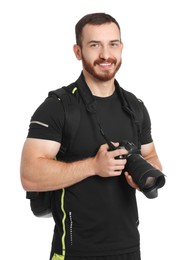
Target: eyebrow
x,y
112,41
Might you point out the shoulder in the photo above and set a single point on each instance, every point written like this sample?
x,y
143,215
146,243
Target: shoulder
x,y
49,109
65,90
133,102
131,96
66,94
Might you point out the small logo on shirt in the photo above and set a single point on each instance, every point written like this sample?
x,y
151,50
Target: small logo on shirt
x,y
71,227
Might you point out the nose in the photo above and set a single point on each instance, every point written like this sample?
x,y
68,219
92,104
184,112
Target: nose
x,y
104,53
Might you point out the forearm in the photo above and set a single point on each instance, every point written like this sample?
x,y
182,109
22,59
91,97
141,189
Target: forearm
x,y
40,172
155,162
150,155
46,174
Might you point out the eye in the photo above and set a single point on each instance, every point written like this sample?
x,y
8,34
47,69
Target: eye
x,y
94,45
114,44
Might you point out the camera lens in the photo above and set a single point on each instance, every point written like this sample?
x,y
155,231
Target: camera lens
x,y
150,181
148,178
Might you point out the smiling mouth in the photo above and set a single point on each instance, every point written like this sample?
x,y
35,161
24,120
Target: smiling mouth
x,y
105,65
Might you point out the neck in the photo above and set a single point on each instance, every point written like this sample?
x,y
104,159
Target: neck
x,y
100,88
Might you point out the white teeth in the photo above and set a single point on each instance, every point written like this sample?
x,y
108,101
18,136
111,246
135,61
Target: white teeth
x,y
105,64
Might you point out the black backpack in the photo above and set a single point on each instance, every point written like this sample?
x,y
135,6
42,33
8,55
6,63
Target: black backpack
x,y
40,202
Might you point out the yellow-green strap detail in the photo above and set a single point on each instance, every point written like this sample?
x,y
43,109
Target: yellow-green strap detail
x,y
74,90
63,222
58,257
62,256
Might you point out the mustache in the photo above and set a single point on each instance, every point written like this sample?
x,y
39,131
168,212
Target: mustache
x,y
109,60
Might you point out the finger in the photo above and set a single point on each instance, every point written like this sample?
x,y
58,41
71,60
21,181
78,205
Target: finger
x,y
119,168
118,152
130,181
116,144
121,162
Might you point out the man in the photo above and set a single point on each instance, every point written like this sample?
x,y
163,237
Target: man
x,y
94,204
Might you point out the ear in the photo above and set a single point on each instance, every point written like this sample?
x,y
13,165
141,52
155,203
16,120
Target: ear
x,y
77,51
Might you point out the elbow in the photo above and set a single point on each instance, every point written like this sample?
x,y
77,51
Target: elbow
x,y
26,181
26,184
29,185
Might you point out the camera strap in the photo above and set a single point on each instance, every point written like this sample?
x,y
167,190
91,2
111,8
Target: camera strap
x,y
130,105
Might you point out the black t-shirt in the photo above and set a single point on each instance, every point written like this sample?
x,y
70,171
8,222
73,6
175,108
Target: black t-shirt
x,y
97,216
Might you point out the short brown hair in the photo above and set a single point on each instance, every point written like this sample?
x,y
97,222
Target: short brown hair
x,y
94,19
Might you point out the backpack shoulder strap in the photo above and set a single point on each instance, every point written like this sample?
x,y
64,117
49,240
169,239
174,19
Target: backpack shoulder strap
x,y
72,113
86,95
134,107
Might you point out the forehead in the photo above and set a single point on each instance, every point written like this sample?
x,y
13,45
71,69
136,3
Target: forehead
x,y
103,32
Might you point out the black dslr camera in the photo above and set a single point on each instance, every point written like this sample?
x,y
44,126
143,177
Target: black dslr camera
x,y
148,178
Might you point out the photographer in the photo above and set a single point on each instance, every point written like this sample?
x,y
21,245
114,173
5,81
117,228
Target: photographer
x,y
94,199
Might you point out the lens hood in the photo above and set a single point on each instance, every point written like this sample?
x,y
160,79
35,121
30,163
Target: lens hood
x,y
158,179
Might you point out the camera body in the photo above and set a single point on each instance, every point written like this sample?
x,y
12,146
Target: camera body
x,y
148,178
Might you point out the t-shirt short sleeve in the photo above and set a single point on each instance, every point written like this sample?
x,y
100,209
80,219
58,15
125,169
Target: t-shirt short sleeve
x,y
47,121
146,136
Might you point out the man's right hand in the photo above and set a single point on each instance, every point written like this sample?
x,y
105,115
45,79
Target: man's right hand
x,y
105,163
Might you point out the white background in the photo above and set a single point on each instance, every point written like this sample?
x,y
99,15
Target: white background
x,y
36,39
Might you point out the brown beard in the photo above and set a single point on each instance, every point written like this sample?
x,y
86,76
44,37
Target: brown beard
x,y
106,75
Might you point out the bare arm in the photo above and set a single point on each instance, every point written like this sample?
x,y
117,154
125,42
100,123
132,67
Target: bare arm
x,y
149,153
41,172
